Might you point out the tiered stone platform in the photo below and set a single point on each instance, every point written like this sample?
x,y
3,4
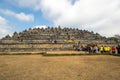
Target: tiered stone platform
x,y
49,39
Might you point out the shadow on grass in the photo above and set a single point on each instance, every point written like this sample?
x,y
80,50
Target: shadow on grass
x,y
55,55
22,53
90,54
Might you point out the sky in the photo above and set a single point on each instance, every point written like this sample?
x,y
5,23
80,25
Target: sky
x,y
101,16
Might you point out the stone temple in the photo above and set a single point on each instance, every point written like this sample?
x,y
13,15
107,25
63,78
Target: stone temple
x,y
49,39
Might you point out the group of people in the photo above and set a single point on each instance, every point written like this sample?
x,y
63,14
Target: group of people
x,y
93,48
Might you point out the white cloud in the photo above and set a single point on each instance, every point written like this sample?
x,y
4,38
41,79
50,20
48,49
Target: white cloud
x,y
3,21
101,16
4,28
20,16
24,17
40,26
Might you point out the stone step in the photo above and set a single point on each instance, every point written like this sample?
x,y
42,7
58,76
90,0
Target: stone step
x,y
32,49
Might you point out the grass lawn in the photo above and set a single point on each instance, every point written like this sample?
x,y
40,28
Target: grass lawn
x,y
38,67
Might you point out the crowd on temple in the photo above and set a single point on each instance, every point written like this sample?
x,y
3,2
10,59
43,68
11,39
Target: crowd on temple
x,y
94,48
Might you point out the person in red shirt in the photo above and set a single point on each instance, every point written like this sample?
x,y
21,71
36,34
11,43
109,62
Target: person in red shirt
x,y
113,49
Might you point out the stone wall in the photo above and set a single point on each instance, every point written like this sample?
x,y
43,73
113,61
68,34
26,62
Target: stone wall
x,y
35,47
39,39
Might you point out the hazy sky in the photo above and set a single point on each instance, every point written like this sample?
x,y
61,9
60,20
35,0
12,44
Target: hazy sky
x,y
102,16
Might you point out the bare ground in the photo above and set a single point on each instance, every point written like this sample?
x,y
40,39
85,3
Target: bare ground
x,y
37,67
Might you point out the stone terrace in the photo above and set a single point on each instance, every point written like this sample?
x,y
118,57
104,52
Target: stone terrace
x,y
42,39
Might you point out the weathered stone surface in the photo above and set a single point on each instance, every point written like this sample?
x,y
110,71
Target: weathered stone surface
x,y
38,39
